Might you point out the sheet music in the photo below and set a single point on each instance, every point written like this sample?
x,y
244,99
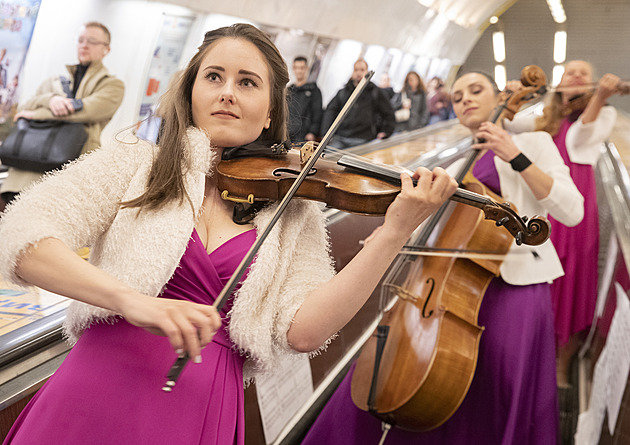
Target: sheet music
x,y
610,377
619,356
282,393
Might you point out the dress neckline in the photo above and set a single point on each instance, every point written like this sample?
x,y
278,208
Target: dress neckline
x,y
195,236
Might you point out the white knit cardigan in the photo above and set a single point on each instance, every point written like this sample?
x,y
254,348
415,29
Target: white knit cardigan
x,y
79,206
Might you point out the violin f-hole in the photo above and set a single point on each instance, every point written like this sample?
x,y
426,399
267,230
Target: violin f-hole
x,y
279,171
430,281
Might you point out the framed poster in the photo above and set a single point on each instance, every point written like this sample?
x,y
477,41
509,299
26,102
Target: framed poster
x,y
165,60
17,20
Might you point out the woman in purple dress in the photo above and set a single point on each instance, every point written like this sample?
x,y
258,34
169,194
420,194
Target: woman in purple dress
x,y
163,244
579,121
512,397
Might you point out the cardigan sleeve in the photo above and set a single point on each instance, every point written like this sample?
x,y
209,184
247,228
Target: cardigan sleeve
x,y
75,205
294,260
521,123
583,140
564,201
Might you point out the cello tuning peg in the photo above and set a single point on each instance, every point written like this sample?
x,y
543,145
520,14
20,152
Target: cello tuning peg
x,y
502,221
519,238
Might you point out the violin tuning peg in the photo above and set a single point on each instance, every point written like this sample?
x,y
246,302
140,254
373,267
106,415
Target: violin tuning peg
x,y
519,238
502,221
524,218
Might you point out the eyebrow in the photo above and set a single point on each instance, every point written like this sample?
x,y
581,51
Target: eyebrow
x,y
246,72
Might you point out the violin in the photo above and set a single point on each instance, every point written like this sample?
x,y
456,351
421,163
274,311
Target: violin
x,y
354,185
580,101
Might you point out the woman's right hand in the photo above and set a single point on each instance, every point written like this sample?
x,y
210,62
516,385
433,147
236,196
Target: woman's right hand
x,y
188,326
607,86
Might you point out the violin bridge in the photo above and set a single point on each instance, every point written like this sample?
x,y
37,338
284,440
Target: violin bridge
x,y
306,151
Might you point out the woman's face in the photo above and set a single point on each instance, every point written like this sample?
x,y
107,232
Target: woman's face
x,y
231,94
413,82
577,78
474,99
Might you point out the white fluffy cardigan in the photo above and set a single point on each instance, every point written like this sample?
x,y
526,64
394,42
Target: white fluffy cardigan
x,y
79,206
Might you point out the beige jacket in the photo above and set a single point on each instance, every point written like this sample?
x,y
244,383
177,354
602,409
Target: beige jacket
x,y
101,94
79,206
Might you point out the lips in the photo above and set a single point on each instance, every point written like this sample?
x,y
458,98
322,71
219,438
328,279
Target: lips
x,y
225,114
471,109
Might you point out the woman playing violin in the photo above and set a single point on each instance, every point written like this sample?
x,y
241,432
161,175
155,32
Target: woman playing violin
x,y
578,119
164,244
512,397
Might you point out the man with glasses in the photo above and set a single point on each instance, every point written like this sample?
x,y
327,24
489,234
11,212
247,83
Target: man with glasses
x,y
90,95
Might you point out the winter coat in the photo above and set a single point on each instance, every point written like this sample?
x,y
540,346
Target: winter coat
x,y
370,115
305,111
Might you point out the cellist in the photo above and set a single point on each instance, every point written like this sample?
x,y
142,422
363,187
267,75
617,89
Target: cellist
x,y
578,118
512,398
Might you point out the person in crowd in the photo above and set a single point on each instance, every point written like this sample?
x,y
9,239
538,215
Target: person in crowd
x,y
163,246
385,85
512,399
371,117
578,119
305,104
410,104
90,95
3,69
439,101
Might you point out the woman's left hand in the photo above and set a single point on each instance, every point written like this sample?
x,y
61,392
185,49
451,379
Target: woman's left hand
x,y
416,202
498,140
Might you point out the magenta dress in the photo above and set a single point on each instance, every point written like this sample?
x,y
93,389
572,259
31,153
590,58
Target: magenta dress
x,y
575,294
512,398
108,389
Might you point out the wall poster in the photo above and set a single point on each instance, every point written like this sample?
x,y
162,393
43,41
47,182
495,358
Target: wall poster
x,y
165,61
17,20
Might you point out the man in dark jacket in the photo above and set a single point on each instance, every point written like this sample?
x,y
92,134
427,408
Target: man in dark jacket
x,y
305,104
371,117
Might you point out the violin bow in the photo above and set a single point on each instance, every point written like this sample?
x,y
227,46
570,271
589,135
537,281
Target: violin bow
x,y
228,289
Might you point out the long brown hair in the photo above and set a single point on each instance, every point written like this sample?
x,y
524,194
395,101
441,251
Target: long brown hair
x,y
552,115
166,177
420,89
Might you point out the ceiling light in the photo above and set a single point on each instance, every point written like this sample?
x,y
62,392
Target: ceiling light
x,y
498,45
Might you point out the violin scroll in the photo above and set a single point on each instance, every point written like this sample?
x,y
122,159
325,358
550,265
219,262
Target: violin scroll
x,y
534,81
533,76
532,233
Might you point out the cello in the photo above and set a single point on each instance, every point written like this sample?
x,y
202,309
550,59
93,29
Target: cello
x,y
415,371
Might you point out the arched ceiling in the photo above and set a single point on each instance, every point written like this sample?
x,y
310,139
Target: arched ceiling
x,y
445,29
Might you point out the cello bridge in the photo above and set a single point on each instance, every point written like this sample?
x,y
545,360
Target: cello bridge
x,y
404,294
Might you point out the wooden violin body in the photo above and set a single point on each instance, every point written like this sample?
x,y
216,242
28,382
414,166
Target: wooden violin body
x,y
269,178
430,354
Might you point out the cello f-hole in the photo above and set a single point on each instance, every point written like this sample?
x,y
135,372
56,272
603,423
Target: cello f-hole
x,y
430,281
